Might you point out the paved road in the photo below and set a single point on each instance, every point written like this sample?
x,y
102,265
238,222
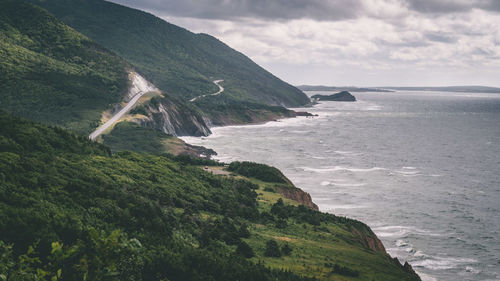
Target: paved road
x,y
117,116
221,89
139,87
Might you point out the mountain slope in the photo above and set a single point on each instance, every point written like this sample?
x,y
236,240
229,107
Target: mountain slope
x,y
176,60
69,208
51,73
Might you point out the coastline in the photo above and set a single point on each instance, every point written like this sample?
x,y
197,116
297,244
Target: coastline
x,y
305,198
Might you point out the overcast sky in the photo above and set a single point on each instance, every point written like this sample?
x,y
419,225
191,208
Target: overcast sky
x,y
352,42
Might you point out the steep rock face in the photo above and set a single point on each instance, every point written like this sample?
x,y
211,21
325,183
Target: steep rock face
x,y
173,118
298,195
369,240
407,267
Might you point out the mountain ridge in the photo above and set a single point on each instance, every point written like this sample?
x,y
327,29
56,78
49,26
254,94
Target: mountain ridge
x,y
169,52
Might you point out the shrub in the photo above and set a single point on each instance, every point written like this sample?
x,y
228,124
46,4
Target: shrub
x,y
272,249
245,250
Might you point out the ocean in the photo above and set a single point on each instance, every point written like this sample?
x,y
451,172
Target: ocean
x,y
422,169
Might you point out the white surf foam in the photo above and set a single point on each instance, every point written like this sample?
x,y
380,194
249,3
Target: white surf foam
x,y
398,231
347,184
443,263
340,168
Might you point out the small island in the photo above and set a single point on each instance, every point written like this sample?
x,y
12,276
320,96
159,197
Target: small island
x,y
341,96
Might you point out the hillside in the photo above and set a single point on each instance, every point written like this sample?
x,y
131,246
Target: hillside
x,y
51,73
70,210
176,60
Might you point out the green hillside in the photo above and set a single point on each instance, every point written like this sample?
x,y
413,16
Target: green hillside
x,y
176,60
70,210
51,73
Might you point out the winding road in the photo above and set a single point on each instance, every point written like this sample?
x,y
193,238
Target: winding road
x,y
140,86
221,89
116,117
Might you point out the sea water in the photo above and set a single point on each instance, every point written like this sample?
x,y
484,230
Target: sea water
x,y
422,169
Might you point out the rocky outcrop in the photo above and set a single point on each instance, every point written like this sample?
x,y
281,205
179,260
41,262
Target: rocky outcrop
x,y
298,195
305,114
341,96
369,239
406,267
173,117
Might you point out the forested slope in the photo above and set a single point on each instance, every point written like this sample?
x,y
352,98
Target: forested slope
x,y
175,59
70,210
51,73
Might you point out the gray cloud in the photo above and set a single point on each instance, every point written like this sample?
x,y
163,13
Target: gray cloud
x,y
450,6
356,42
441,37
264,9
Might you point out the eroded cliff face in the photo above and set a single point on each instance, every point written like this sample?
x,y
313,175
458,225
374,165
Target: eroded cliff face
x,y
174,118
369,240
298,195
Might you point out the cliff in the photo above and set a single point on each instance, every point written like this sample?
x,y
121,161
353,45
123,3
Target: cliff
x,y
173,118
297,194
369,239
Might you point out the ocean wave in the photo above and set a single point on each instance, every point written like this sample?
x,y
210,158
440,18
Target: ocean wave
x,y
340,168
347,184
409,173
402,243
409,168
398,231
425,277
342,206
443,263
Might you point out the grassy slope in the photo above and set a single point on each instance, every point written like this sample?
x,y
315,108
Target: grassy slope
x,y
132,137
134,216
176,60
51,73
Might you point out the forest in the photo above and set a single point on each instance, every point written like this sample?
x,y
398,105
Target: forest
x,y
72,210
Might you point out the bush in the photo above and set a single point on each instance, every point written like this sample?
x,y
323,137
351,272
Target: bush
x,y
258,171
245,250
272,249
286,250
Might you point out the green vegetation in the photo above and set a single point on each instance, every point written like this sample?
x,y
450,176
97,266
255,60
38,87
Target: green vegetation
x,y
53,74
224,110
132,137
176,60
70,210
340,96
259,171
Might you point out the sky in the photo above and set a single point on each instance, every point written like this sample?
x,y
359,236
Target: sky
x,y
352,42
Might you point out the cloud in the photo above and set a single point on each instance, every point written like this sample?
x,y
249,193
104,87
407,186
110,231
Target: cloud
x,y
322,10
373,40
450,6
265,9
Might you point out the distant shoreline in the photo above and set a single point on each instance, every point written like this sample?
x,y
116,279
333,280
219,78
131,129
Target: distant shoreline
x,y
459,89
